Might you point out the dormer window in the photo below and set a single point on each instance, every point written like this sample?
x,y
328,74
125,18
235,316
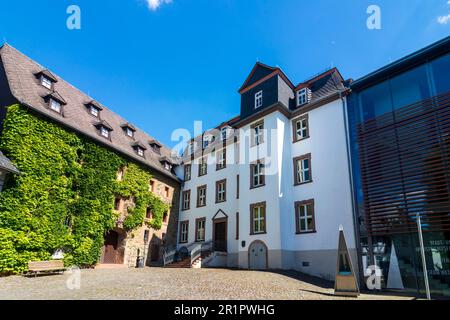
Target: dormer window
x,y
55,105
46,82
93,108
54,101
104,129
128,129
94,111
139,148
46,79
258,99
166,162
156,146
303,96
104,132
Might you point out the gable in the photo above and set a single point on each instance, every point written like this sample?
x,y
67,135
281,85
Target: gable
x,y
219,215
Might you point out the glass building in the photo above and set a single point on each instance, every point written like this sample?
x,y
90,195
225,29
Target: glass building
x,y
399,131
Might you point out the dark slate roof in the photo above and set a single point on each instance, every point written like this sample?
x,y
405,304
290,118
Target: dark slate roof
x,y
6,165
25,87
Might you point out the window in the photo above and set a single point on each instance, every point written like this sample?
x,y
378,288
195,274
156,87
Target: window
x,y
301,130
146,234
237,186
202,167
140,151
258,99
55,105
184,229
165,216
258,218
206,141
302,168
191,148
148,213
94,111
46,82
303,96
223,134
304,216
257,174
167,166
237,225
257,133
166,192
221,158
221,191
200,229
186,199
104,132
121,174
187,172
117,204
129,132
201,196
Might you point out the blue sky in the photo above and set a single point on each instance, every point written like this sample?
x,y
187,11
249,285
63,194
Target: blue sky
x,y
164,66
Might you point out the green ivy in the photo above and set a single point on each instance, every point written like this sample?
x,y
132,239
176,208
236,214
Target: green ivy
x,y
64,197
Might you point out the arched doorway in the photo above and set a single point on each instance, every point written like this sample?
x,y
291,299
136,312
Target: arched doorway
x,y
112,253
257,255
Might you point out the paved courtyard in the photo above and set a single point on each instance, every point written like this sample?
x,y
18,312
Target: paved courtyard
x,y
184,284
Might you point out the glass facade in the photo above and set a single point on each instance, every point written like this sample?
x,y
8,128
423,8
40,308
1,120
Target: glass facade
x,y
399,129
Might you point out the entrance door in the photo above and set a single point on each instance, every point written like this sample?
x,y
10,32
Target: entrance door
x,y
257,255
110,249
220,235
154,256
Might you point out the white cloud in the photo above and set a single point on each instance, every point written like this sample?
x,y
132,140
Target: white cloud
x,y
155,4
443,19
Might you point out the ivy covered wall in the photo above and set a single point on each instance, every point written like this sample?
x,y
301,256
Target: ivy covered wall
x,y
64,197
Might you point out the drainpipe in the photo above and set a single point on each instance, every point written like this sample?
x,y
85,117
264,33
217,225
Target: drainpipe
x,y
350,181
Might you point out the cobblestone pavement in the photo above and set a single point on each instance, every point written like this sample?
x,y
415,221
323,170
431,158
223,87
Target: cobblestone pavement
x,y
184,284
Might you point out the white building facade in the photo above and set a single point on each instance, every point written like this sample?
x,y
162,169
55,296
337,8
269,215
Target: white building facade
x,y
276,184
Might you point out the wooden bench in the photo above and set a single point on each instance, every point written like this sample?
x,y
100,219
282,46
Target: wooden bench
x,y
53,266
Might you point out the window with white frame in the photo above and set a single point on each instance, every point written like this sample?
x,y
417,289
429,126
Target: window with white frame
x,y
301,128
223,134
221,191
200,230
140,151
186,199
257,174
129,132
303,169
46,82
258,216
191,148
305,216
257,133
221,158
206,141
184,229
258,99
187,172
201,196
94,111
203,166
55,105
104,132
302,96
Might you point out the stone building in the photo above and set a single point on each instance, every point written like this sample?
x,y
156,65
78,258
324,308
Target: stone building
x,y
25,82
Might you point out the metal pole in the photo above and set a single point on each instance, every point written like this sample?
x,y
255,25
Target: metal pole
x,y
424,262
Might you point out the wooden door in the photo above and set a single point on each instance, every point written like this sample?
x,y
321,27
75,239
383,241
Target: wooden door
x,y
110,252
220,236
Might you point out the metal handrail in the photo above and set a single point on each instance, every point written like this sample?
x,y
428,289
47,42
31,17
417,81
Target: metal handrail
x,y
197,251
